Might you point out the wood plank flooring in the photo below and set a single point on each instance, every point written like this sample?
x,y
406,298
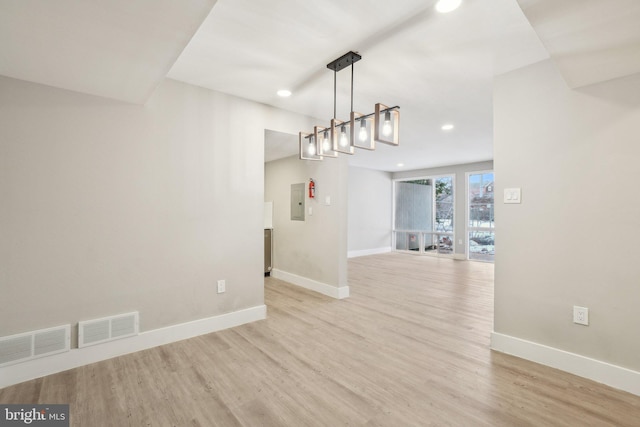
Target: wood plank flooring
x,y
410,347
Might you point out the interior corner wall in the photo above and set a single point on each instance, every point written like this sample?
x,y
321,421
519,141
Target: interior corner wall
x,y
574,238
369,206
460,174
108,207
314,249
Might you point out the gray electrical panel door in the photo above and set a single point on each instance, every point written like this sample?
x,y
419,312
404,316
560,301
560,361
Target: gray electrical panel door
x,y
297,202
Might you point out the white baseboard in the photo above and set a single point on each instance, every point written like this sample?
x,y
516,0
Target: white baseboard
x,y
365,252
323,288
596,370
460,257
76,357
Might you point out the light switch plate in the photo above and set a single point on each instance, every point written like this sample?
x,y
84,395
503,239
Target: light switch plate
x,y
512,195
327,201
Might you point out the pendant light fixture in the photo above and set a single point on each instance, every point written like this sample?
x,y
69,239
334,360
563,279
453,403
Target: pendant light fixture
x,y
361,131
309,147
325,144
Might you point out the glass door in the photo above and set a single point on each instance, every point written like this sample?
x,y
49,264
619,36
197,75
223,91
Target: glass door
x,y
481,224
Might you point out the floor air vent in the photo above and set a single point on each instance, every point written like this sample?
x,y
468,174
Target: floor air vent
x,y
31,345
110,328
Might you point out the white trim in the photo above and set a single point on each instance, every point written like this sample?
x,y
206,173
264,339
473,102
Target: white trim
x,y
596,370
460,257
365,252
83,356
328,290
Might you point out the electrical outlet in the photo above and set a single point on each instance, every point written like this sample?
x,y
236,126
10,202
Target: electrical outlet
x,y
581,315
222,286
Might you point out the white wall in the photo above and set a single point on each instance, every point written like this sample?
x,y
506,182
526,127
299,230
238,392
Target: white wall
x,y
369,208
459,172
107,207
313,252
574,239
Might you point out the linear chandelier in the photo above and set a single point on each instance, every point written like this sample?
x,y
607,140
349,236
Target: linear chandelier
x,y
360,131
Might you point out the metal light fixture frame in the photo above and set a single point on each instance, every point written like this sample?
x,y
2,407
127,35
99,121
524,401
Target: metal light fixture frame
x,y
357,120
338,128
382,112
307,139
323,135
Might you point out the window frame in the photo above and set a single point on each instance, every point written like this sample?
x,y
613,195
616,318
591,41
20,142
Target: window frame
x,y
422,233
467,228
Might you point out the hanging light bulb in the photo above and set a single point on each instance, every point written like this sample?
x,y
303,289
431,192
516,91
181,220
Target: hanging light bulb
x,y
344,141
312,147
326,143
386,125
387,130
362,135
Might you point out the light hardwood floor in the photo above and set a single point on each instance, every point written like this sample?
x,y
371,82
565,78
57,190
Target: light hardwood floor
x,y
410,347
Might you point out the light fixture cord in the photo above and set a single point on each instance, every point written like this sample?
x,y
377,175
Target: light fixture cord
x,y
334,92
351,87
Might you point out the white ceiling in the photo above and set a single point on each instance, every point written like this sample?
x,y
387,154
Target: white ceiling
x,y
438,68
589,40
119,49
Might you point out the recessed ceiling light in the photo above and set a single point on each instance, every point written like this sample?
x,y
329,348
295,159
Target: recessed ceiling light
x,y
448,126
284,93
445,6
400,165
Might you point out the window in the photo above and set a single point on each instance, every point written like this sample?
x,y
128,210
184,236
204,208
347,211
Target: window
x,y
423,215
481,226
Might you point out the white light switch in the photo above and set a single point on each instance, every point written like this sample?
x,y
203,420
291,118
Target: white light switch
x,y
511,195
310,210
327,200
